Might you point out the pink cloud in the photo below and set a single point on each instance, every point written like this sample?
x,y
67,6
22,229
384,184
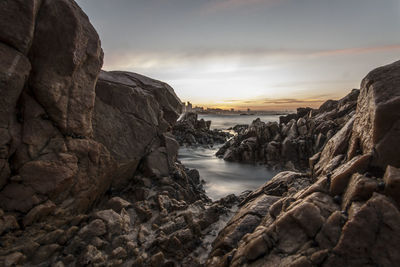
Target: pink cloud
x,y
357,50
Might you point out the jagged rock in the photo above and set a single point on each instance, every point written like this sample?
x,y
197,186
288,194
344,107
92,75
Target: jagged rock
x,y
44,253
392,183
335,146
115,223
373,234
191,131
14,259
7,223
92,256
360,188
93,229
117,204
377,123
157,259
39,212
156,163
299,136
119,253
342,174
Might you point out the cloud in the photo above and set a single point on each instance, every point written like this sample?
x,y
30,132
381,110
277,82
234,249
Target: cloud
x,y
221,5
357,50
166,59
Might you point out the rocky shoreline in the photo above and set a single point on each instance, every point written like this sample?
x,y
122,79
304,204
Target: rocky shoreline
x,y
89,174
291,142
190,131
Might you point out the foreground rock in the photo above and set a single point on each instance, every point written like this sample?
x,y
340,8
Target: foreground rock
x,y
89,176
345,213
88,169
289,144
193,132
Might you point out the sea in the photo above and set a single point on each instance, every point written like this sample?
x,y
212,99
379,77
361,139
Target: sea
x,y
221,177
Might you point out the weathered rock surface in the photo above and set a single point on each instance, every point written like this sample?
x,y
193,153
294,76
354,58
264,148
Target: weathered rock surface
x,y
291,143
346,211
47,101
193,132
130,120
89,176
88,167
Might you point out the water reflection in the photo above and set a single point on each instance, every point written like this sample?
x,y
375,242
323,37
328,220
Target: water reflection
x,y
222,177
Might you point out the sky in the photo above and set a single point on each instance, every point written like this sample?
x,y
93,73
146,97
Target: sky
x,y
258,54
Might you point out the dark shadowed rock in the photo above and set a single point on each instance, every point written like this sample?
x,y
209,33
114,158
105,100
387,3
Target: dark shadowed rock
x,y
128,119
17,31
298,137
64,34
193,132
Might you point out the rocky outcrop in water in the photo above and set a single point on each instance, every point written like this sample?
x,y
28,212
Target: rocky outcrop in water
x,y
289,144
346,213
193,132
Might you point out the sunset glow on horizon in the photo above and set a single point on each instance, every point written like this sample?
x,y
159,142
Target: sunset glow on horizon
x,y
257,54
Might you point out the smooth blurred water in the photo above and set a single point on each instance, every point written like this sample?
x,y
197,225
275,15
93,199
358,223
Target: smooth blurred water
x,y
222,177
224,122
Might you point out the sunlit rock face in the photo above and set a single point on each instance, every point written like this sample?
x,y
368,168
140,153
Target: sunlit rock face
x,y
345,211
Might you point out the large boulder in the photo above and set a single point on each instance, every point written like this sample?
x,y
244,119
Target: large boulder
x,y
66,57
377,123
129,119
17,20
48,71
